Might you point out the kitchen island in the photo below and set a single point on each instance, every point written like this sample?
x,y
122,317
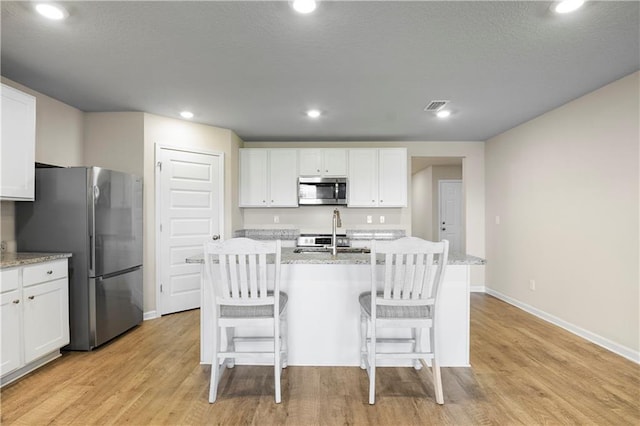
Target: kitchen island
x,y
324,313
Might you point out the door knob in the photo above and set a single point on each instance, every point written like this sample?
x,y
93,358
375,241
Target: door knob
x,y
215,237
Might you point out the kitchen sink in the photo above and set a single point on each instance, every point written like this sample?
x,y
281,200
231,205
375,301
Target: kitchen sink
x,y
328,250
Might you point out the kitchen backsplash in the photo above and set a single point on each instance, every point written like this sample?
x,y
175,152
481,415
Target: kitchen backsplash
x,y
318,219
7,225
286,234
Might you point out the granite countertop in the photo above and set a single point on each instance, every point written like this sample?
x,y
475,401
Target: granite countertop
x,y
268,234
8,260
289,257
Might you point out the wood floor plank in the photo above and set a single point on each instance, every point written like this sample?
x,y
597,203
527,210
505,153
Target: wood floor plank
x,y
523,371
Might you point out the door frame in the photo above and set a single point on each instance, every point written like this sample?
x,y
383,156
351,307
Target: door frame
x,y
158,203
462,211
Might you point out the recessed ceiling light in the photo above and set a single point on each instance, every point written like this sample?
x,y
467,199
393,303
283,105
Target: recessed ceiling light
x,y
186,114
443,113
567,6
313,113
51,11
304,6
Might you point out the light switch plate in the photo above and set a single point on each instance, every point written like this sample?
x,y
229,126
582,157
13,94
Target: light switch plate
x,y
369,219
381,219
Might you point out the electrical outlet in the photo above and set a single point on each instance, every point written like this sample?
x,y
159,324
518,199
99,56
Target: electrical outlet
x,y
381,219
276,219
369,219
532,285
497,220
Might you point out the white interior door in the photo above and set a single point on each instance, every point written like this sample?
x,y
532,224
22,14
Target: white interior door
x,y
190,191
450,223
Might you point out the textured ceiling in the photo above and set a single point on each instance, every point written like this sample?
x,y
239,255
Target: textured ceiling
x,y
255,67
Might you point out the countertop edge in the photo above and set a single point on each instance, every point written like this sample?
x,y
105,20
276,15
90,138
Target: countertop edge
x,y
10,260
289,258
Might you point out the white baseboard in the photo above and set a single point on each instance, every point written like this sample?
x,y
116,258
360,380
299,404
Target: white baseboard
x,y
623,351
149,315
477,289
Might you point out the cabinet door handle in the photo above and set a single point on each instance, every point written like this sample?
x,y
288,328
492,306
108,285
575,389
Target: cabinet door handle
x,y
31,297
49,272
16,301
215,237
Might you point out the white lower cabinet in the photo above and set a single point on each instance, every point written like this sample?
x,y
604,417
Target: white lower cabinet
x,y
34,306
11,344
46,318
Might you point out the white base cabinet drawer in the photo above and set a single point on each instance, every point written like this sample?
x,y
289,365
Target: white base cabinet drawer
x,y
9,279
44,272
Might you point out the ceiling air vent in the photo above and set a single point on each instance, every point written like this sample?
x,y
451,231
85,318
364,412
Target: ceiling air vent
x,y
435,105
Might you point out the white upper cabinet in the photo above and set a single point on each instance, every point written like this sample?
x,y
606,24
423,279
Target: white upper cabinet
x,y
330,162
392,177
363,178
268,177
378,177
283,178
253,177
18,144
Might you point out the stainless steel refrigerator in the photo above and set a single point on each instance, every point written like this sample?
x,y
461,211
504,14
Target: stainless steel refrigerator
x,y
95,214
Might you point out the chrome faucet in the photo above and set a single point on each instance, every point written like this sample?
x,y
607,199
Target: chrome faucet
x,y
336,223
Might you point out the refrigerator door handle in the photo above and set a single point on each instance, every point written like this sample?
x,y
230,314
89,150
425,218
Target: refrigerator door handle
x,y
91,252
95,193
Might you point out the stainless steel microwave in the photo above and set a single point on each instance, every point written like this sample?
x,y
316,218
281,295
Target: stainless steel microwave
x,y
322,191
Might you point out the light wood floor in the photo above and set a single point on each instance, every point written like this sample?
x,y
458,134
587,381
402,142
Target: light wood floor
x,y
524,371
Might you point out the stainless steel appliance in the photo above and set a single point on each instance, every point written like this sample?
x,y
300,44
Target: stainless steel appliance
x,y
322,191
322,240
95,214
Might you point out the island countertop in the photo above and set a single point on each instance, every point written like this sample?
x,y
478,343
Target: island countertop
x,y
289,257
11,259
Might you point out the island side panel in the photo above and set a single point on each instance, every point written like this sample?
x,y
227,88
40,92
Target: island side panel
x,y
324,316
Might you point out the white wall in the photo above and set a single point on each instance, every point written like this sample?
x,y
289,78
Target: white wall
x,y
566,188
422,203
113,140
59,130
